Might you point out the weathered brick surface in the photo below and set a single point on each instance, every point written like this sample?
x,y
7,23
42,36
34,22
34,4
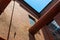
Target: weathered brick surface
x,y
20,24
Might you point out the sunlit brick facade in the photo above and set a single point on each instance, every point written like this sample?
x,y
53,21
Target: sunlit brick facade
x,y
20,24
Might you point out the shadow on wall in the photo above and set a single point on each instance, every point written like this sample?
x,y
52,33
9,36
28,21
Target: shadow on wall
x,y
31,37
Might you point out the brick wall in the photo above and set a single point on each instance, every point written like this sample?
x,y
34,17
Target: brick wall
x,y
20,24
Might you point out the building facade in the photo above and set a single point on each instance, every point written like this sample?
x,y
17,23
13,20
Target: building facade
x,y
15,23
20,23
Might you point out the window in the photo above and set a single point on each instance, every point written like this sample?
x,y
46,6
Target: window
x,y
55,29
32,20
38,5
54,25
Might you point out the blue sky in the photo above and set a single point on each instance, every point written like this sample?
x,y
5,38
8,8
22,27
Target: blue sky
x,y
38,5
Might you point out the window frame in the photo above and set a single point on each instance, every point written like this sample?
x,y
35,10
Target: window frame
x,y
35,13
30,17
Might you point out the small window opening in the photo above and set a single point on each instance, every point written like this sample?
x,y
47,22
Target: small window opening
x,y
32,20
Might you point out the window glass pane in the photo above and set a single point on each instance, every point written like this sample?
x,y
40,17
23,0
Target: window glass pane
x,y
55,23
38,5
55,29
32,20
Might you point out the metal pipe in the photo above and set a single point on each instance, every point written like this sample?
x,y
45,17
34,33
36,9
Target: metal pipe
x,y
11,21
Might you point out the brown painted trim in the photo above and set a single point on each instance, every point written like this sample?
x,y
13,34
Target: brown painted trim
x,y
32,11
50,36
57,18
3,5
46,18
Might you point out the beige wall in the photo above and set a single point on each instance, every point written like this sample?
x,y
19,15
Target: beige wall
x,y
4,21
20,23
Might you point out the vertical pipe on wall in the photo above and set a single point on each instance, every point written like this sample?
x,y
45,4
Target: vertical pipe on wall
x,y
11,21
